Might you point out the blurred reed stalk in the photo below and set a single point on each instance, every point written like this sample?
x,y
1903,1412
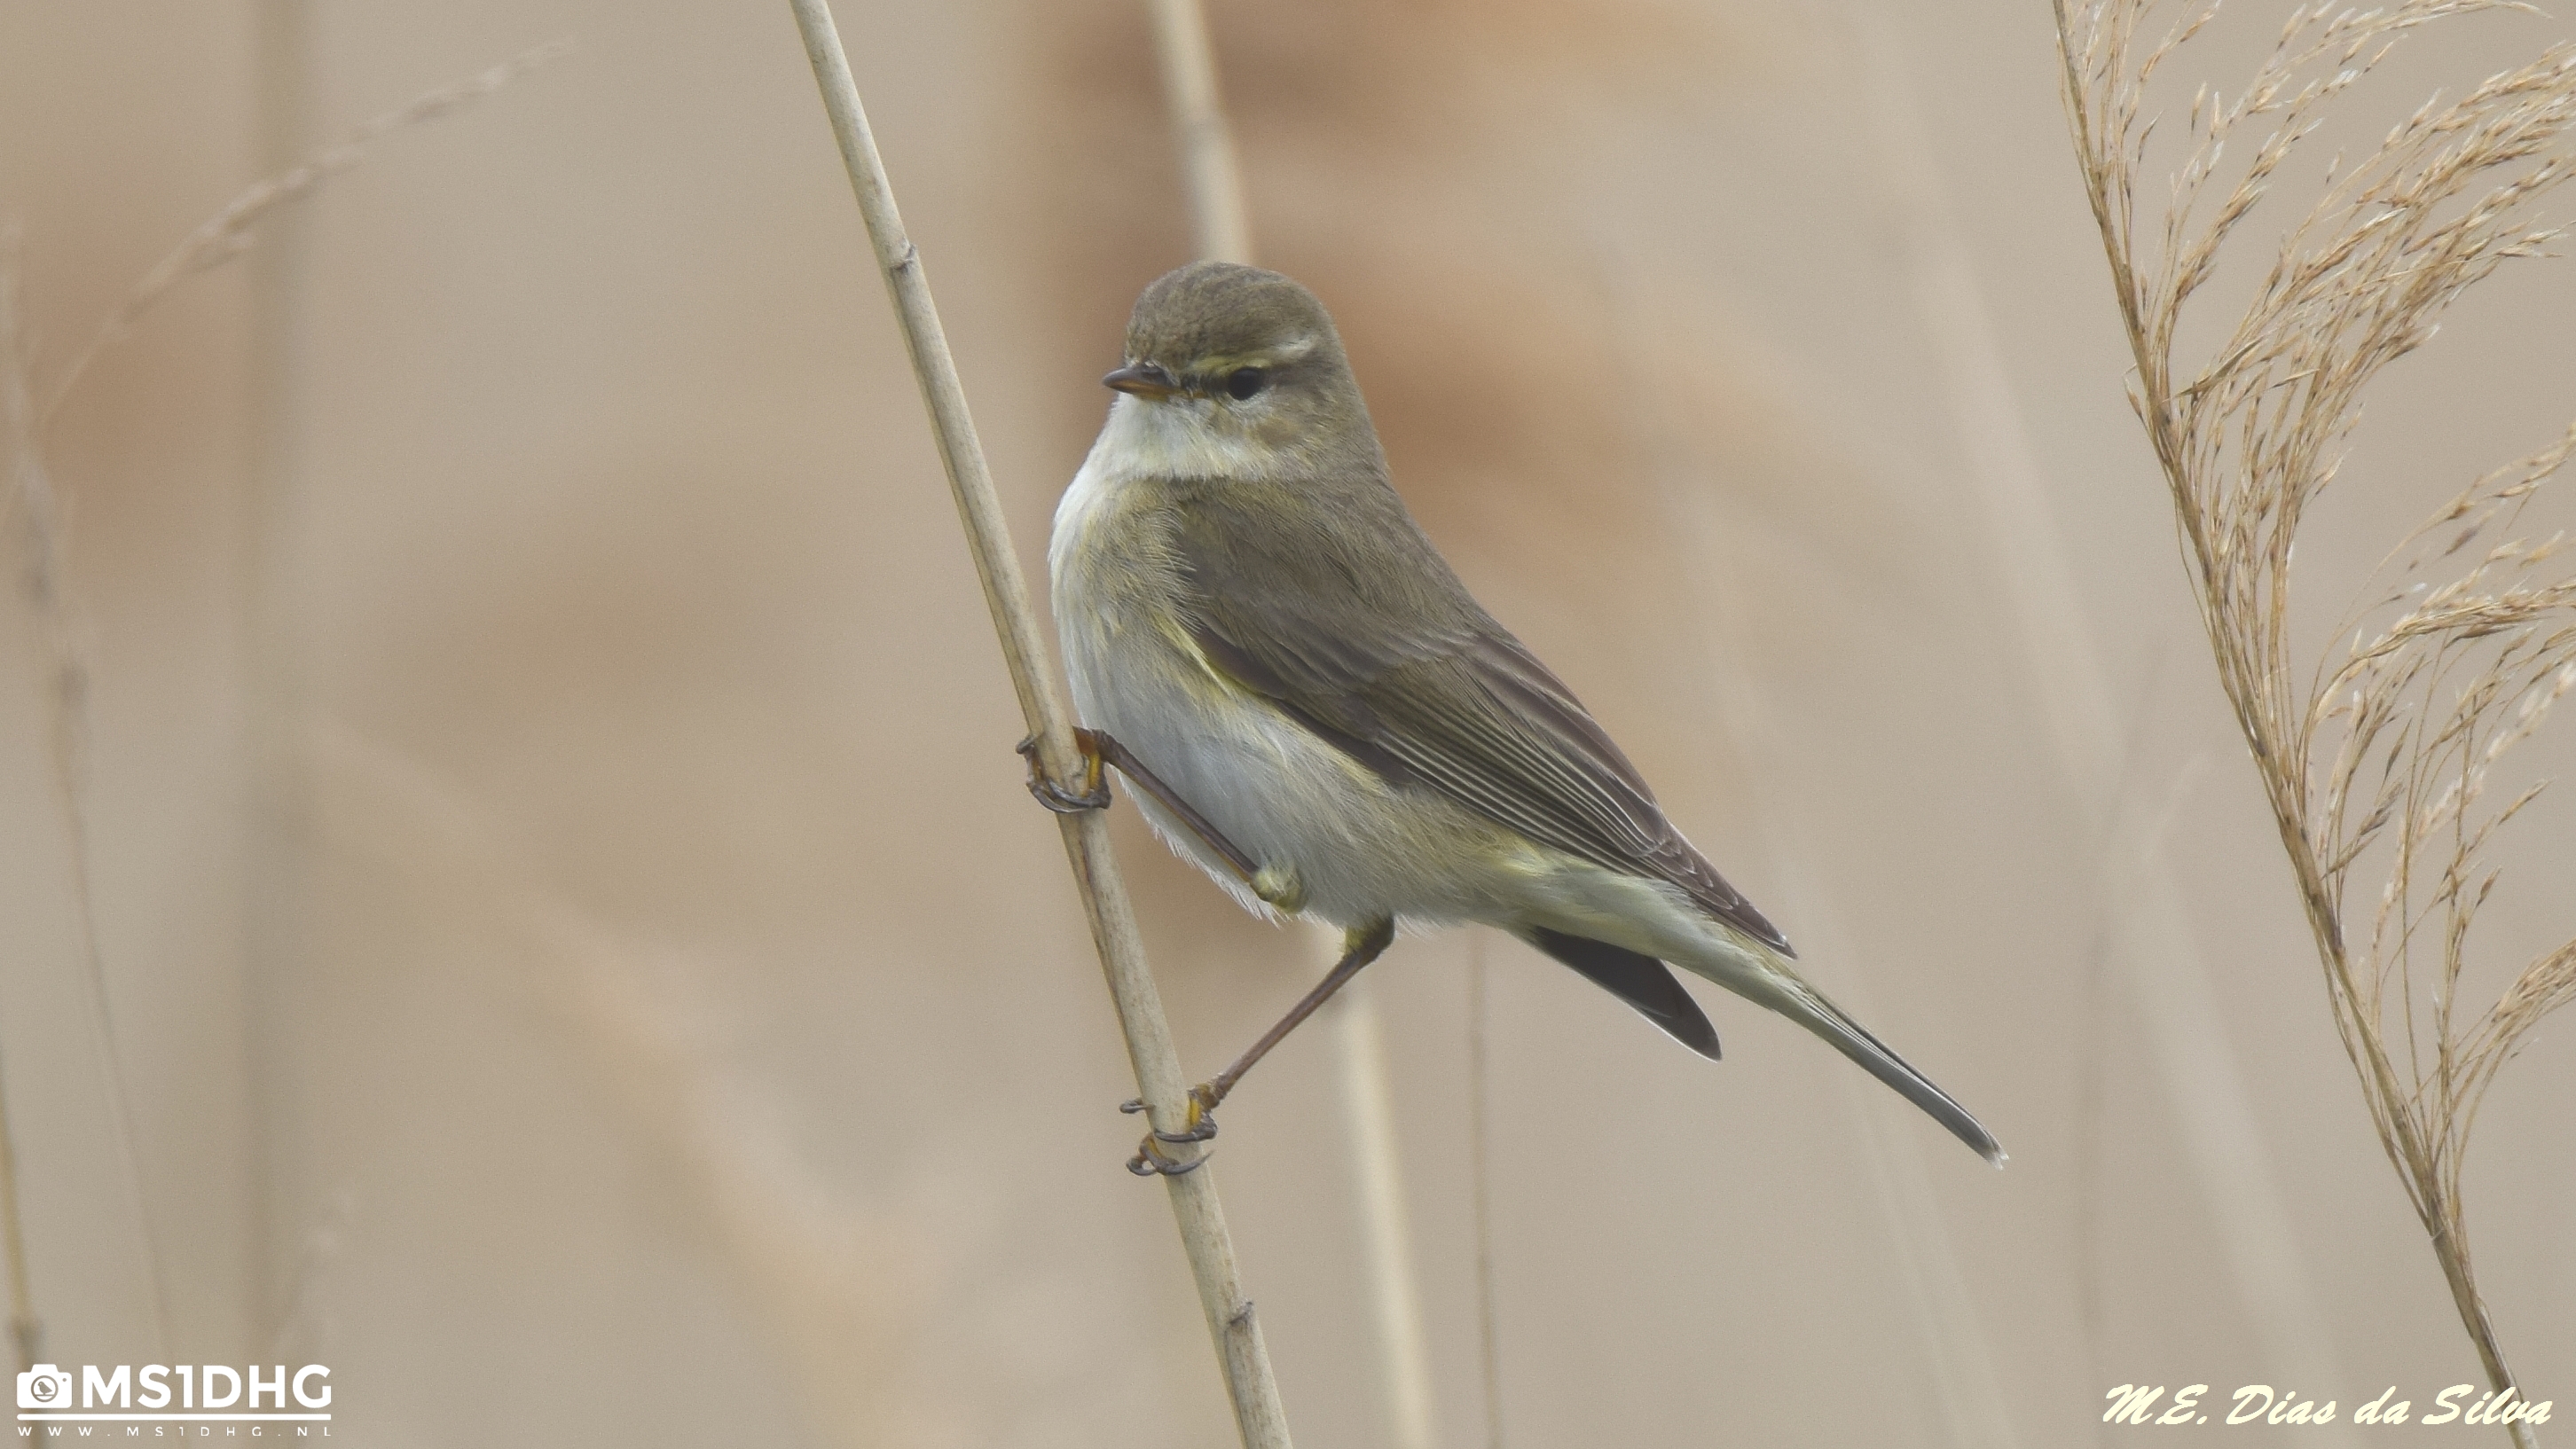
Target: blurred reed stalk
x,y
219,239
1260,1418
26,1331
2145,913
39,507
2378,759
829,1284
1369,1122
1214,180
1222,225
1489,1350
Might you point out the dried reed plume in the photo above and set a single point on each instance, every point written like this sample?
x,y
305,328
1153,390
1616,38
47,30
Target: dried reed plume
x,y
2375,760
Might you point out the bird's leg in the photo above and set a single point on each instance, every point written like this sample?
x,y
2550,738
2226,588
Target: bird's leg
x,y
1170,799
1099,746
1360,946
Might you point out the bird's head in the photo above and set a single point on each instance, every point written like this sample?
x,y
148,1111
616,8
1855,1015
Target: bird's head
x,y
1236,363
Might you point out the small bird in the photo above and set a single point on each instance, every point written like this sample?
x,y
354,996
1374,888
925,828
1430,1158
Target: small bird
x,y
1316,712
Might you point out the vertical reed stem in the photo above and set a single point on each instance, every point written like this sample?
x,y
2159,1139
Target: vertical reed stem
x,y
1489,1356
26,1333
1368,1112
22,423
1259,1416
17,414
1217,209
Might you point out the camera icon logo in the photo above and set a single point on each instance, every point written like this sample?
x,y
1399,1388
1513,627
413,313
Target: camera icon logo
x,y
44,1387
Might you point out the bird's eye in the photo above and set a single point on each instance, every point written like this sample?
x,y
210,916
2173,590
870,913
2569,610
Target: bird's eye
x,y
1243,382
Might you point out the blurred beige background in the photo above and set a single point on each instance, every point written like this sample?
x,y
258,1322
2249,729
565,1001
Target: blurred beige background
x,y
582,964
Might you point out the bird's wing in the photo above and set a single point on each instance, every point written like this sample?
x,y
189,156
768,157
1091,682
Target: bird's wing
x,y
1397,665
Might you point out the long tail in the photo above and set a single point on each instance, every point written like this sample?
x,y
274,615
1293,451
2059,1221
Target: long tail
x,y
1761,976
1808,1007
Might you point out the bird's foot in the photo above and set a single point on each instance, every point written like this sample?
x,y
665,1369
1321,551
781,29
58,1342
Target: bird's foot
x,y
1151,1160
1094,794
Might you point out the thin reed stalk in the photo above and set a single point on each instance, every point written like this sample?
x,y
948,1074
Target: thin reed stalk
x,y
2095,755
1386,1230
1489,1351
1188,61
1260,1418
26,1331
227,233
39,505
276,767
2374,758
39,508
826,1282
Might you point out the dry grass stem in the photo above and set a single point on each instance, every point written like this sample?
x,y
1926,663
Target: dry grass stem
x,y
1188,62
1480,1182
2376,758
828,1281
1369,1120
227,234
2098,741
35,502
1260,1417
38,507
26,1331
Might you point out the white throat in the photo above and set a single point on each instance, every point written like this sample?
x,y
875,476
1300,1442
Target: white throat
x,y
1176,438
1173,439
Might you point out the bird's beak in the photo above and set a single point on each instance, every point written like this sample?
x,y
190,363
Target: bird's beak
x,y
1142,379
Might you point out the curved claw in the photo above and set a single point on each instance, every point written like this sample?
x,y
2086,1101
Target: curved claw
x,y
1201,1123
1055,797
1152,1161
